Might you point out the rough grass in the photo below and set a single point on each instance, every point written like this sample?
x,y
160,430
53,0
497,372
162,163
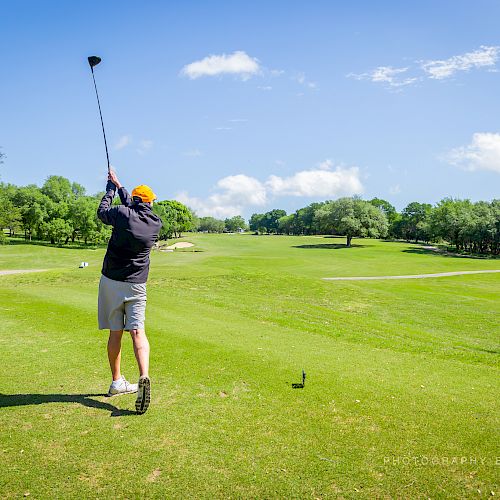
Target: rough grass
x,y
401,395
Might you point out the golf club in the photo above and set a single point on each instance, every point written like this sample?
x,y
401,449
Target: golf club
x,y
94,61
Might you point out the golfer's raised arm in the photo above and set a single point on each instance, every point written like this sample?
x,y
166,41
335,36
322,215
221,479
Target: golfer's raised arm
x,y
106,212
125,197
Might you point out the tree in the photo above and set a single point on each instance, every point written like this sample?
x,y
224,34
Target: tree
x,y
82,219
267,222
271,220
305,222
33,207
196,221
390,212
352,217
176,218
211,225
286,224
448,219
56,230
470,227
495,244
58,188
77,189
415,221
10,214
479,232
235,224
256,223
164,212
10,217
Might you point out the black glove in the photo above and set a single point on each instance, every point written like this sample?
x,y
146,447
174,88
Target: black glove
x,y
110,187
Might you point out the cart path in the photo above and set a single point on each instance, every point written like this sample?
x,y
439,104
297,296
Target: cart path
x,y
409,276
20,271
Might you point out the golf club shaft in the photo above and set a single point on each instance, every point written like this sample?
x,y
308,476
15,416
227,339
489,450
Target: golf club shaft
x,y
100,114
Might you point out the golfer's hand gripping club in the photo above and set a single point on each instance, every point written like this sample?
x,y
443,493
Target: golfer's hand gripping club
x,y
114,179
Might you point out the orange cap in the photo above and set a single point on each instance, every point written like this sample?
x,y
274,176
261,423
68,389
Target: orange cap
x,y
145,193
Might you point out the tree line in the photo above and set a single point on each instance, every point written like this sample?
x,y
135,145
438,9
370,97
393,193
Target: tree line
x,y
60,211
468,226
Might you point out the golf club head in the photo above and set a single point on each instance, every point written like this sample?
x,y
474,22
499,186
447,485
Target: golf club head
x,y
94,61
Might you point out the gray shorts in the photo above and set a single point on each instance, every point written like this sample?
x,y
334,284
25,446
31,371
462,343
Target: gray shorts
x,y
121,305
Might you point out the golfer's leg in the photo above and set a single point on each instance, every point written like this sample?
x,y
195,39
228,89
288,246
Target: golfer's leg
x,y
141,351
115,352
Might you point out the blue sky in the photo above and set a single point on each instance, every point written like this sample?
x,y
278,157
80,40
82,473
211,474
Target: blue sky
x,y
301,101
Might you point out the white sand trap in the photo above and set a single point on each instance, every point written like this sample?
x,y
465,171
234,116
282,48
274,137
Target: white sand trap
x,y
181,244
21,271
409,276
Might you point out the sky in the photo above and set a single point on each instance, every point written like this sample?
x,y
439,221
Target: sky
x,y
242,107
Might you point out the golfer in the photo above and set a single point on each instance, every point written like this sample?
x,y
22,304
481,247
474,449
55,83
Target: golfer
x,y
122,289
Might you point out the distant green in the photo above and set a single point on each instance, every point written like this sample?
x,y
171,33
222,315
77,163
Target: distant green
x,y
400,400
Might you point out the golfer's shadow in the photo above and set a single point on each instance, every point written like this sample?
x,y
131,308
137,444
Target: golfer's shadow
x,y
7,400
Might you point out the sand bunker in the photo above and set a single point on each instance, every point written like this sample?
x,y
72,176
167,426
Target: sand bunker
x,y
181,244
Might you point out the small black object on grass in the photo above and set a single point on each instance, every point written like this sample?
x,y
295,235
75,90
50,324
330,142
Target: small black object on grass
x,y
300,386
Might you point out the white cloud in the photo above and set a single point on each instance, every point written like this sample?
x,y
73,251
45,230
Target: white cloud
x,y
238,120
242,188
123,141
483,153
302,80
223,128
237,63
387,75
234,193
485,56
265,87
440,69
318,183
205,208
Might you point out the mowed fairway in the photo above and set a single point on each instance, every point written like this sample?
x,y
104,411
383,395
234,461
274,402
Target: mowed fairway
x,y
401,395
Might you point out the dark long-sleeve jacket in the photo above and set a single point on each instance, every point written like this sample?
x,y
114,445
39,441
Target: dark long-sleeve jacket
x,y
135,231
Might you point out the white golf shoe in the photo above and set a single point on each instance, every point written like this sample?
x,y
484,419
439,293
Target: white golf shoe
x,y
121,386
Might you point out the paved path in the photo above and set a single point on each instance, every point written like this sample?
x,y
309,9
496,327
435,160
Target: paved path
x,y
409,276
20,271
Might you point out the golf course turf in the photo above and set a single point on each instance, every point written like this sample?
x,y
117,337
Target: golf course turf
x,y
400,400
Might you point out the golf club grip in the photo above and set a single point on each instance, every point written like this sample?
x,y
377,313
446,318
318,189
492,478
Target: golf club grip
x,y
102,123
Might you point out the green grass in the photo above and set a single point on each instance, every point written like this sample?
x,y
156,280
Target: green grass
x,y
401,397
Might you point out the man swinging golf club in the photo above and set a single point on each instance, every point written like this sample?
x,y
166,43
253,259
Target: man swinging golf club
x,y
122,289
